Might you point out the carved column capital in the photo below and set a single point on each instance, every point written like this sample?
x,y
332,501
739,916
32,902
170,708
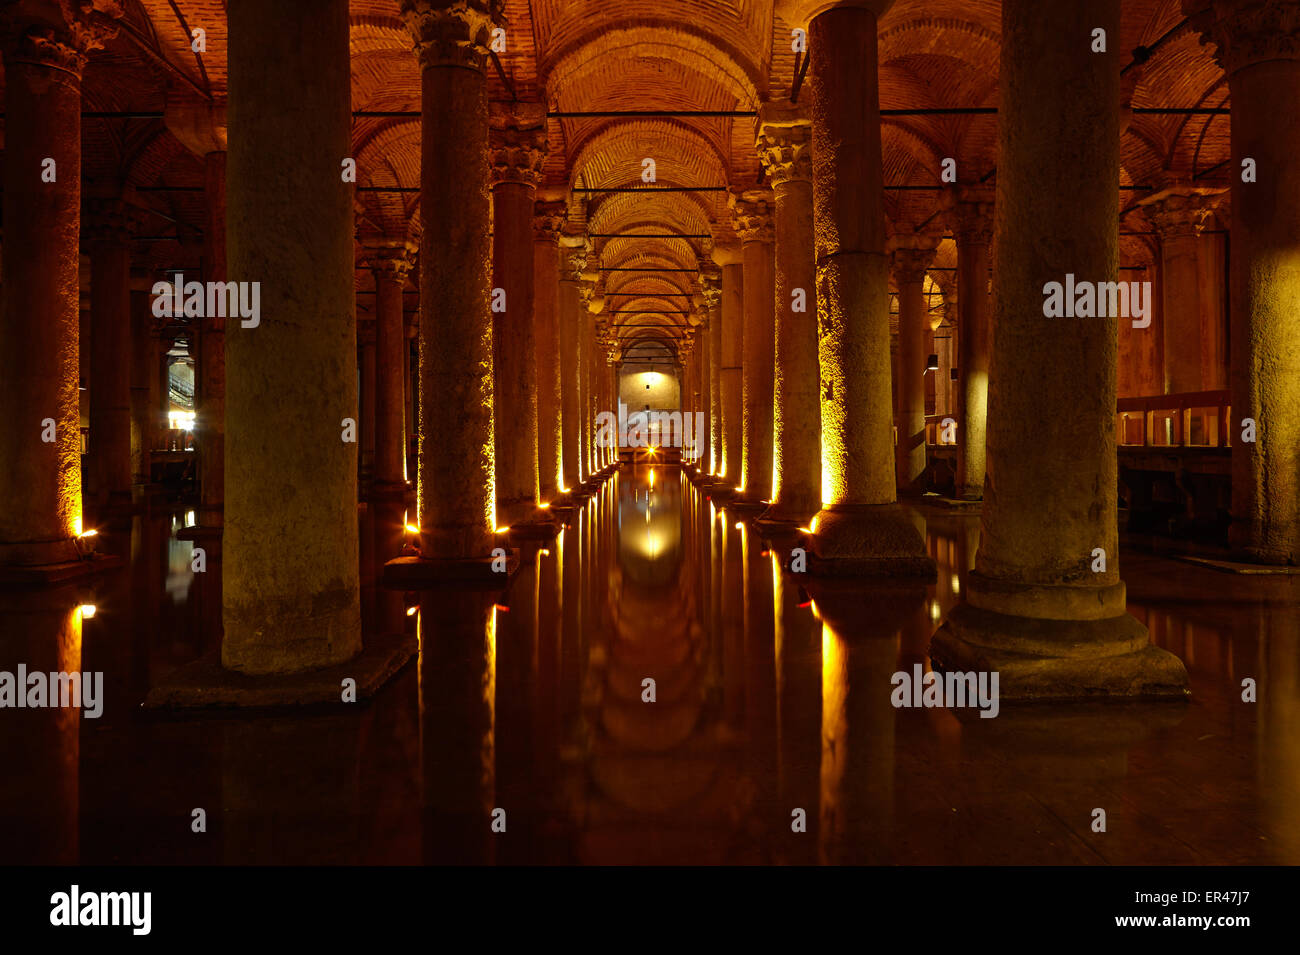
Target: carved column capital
x,y
752,215
969,211
517,143
1176,213
384,256
910,256
784,143
1246,32
452,32
549,220
57,33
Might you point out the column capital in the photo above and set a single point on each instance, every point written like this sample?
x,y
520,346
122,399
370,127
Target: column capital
x,y
516,143
574,262
969,211
108,220
391,256
752,215
784,142
452,32
1246,32
57,35
1179,212
711,284
549,220
910,256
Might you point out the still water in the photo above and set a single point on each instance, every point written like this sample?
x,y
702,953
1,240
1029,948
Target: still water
x,y
771,738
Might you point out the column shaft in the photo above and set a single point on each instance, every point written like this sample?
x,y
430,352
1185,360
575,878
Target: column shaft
x,y
973,228
390,353
548,218
753,213
290,547
211,373
731,381
571,315
108,465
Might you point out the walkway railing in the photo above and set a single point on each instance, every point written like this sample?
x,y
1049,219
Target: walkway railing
x,y
1192,419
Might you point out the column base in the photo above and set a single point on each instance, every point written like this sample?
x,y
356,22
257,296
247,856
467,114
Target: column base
x,y
1061,660
199,532
466,573
745,507
206,685
870,540
784,515
542,525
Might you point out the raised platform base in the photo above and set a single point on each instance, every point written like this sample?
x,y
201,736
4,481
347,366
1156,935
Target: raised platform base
x,y
1038,659
869,541
43,575
206,685
1240,567
952,503
473,573
743,508
534,530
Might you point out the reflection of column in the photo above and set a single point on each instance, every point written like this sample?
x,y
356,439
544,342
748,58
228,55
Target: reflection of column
x,y
548,219
752,215
972,225
108,465
1045,604
860,527
1179,215
457,491
785,144
40,482
797,650
1256,46
518,147
910,257
571,312
730,379
291,598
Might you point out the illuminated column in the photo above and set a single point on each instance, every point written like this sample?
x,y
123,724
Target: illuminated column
x,y
518,140
730,378
586,348
389,261
910,256
785,146
457,485
711,282
1178,215
860,527
40,480
972,226
704,343
108,465
572,310
1258,50
366,351
291,580
1045,606
751,214
548,220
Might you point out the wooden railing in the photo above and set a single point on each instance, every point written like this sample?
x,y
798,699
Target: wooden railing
x,y
1193,419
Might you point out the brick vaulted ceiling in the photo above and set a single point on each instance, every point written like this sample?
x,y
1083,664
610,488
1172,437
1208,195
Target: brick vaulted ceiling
x,y
617,55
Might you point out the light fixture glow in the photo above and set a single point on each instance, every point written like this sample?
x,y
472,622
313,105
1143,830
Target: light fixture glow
x,y
411,611
87,611
90,533
412,529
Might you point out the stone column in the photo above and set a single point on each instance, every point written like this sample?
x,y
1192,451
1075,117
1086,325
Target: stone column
x,y
1178,215
518,147
972,226
548,220
1045,606
860,527
704,406
572,310
785,146
731,353
145,361
910,256
291,579
366,334
586,346
390,261
711,283
457,489
210,375
108,465
751,214
44,49
1258,47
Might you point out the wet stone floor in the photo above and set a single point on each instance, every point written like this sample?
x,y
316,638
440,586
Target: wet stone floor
x,y
530,701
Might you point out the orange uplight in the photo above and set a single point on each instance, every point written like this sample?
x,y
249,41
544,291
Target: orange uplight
x,y
544,505
89,533
87,611
411,611
412,529
502,530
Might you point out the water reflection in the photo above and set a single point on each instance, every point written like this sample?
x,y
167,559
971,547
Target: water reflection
x,y
527,732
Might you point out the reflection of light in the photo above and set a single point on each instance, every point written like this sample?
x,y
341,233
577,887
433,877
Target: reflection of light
x,y
544,505
813,526
544,552
956,584
87,611
411,611
935,611
652,477
564,490
740,525
412,528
